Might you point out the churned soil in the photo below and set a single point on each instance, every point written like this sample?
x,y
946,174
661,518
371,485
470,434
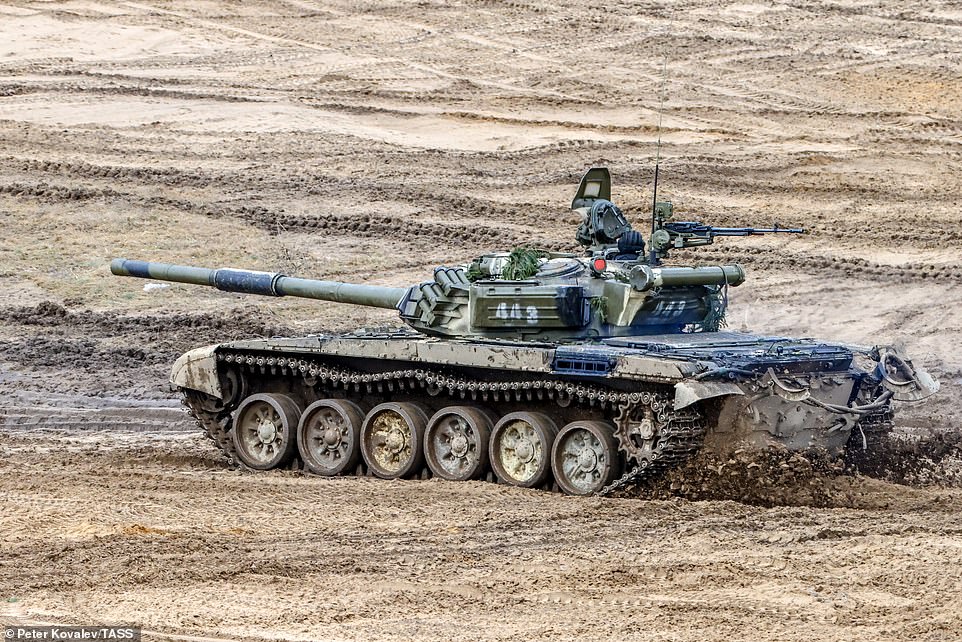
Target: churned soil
x,y
153,529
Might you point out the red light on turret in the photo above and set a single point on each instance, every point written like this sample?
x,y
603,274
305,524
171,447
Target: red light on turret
x,y
599,265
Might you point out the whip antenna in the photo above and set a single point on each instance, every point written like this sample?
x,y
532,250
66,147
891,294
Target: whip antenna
x,y
653,255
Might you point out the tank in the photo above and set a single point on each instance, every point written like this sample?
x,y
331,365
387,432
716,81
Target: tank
x,y
580,372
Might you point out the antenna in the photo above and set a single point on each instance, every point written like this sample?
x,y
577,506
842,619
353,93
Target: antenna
x,y
652,254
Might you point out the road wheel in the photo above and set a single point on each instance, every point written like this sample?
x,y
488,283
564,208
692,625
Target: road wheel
x,y
328,436
391,439
584,458
520,448
456,443
265,429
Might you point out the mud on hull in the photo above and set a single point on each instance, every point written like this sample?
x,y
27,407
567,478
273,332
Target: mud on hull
x,y
583,420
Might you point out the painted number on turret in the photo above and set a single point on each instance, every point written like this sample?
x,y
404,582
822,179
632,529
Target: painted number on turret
x,y
514,313
670,309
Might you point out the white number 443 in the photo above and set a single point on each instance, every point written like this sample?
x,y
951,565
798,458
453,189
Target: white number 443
x,y
530,313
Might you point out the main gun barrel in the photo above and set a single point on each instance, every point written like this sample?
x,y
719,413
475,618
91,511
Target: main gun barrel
x,y
264,283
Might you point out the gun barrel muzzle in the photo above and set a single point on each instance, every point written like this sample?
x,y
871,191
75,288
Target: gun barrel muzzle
x,y
263,283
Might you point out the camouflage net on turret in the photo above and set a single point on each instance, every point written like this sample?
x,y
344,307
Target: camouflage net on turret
x,y
522,264
715,319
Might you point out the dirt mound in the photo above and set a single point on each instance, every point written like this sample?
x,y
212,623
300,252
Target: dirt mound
x,y
80,354
917,458
234,324
756,478
91,353
815,478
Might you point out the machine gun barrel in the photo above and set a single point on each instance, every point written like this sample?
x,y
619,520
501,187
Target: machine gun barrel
x,y
263,283
749,231
682,234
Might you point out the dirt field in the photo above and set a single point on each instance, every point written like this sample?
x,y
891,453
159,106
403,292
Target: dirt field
x,y
371,141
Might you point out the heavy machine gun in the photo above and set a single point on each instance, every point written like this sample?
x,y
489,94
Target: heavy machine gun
x,y
667,235
606,233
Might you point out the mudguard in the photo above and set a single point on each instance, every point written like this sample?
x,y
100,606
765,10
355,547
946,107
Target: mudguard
x,y
197,370
689,392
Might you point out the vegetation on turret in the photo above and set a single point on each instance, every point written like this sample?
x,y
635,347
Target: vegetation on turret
x,y
522,264
599,305
715,319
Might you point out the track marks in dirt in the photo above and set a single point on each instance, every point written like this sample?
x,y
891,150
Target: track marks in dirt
x,y
113,89
169,176
110,354
834,267
475,231
501,237
549,562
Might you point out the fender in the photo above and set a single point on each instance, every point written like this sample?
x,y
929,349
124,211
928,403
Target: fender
x,y
689,392
197,370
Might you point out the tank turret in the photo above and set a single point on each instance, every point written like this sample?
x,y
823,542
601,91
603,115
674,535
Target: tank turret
x,y
563,296
614,289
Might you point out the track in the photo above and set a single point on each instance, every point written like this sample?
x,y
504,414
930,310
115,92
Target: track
x,y
679,436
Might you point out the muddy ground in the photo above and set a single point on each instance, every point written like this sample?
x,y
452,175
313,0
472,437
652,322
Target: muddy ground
x,y
370,141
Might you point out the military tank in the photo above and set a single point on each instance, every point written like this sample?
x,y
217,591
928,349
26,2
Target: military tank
x,y
575,371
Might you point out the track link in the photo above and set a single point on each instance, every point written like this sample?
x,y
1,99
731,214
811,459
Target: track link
x,y
216,424
679,436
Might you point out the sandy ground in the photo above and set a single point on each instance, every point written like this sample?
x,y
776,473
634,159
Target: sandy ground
x,y
370,141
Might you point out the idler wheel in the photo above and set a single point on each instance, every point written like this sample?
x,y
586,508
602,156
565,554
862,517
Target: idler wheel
x,y
584,458
456,443
520,448
391,439
265,427
328,436
233,388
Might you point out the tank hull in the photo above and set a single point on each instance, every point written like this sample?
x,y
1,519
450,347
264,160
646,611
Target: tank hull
x,y
663,397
